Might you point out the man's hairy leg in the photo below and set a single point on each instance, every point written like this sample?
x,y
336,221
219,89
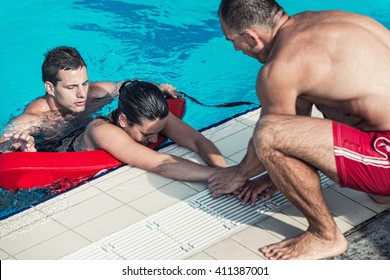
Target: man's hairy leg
x,y
292,148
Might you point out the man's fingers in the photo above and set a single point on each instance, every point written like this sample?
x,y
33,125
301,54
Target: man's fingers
x,y
25,135
216,193
246,197
23,141
271,191
30,148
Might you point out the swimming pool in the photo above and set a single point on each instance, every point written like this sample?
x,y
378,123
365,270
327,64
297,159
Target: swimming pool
x,y
172,42
177,42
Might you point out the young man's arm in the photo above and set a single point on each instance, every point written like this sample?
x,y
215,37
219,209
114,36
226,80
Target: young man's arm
x,y
18,134
104,89
100,90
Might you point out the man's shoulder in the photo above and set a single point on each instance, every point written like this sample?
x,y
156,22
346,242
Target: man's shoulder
x,y
33,112
37,107
281,75
278,67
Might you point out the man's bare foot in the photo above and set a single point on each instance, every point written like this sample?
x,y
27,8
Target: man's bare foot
x,y
381,199
306,246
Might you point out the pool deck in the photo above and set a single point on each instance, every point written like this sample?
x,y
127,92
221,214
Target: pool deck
x,y
128,213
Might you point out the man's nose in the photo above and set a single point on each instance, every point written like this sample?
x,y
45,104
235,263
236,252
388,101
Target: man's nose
x,y
81,92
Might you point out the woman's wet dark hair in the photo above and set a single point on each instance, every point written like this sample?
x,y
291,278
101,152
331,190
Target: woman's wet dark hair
x,y
140,101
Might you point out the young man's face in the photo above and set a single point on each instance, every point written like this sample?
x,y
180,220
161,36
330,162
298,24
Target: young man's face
x,y
71,90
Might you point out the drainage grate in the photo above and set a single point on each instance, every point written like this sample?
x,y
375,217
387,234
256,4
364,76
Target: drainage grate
x,y
182,229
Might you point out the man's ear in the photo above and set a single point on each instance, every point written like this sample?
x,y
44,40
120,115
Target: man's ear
x,y
49,88
253,37
122,120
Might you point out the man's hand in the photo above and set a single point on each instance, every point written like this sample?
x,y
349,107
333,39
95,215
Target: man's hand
x,y
226,181
256,188
171,90
21,141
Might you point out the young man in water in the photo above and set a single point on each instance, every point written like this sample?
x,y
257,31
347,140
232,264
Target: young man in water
x,y
338,61
65,109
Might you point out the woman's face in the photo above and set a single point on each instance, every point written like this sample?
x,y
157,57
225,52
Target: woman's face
x,y
147,132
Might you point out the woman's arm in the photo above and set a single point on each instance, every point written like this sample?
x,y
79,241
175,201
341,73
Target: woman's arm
x,y
114,140
186,136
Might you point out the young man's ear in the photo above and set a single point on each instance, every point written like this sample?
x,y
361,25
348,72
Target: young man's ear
x,y
49,88
122,120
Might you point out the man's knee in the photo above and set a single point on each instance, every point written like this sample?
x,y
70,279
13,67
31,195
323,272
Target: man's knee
x,y
265,132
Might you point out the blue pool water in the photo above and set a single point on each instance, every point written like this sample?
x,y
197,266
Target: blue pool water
x,y
177,42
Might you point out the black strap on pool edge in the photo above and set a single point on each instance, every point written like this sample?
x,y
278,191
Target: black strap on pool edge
x,y
229,104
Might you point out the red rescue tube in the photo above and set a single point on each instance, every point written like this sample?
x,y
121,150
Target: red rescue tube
x,y
63,169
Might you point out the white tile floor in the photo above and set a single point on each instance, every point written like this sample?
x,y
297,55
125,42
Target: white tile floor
x,y
121,198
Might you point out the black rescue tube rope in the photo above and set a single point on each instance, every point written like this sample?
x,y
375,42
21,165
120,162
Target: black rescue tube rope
x,y
224,105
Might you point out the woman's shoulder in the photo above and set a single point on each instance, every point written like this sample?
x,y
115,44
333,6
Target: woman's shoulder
x,y
101,133
99,126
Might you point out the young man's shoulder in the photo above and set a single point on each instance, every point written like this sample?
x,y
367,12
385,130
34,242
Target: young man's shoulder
x,y
32,114
37,107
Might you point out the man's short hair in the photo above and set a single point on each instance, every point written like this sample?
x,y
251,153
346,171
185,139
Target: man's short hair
x,y
60,58
241,14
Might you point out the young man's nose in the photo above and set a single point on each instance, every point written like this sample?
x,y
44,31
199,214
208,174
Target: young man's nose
x,y
81,92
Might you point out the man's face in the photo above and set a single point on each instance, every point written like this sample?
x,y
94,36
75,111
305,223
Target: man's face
x,y
245,42
71,90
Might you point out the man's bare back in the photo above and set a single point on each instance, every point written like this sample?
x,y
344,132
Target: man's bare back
x,y
337,61
335,74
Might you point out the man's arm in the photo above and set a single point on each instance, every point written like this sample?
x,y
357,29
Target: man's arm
x,y
250,165
276,97
100,90
18,133
231,179
277,90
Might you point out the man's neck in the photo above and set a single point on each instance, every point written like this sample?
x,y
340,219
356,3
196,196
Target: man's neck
x,y
279,26
281,23
65,113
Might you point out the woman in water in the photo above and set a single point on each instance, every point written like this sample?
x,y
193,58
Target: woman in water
x,y
141,115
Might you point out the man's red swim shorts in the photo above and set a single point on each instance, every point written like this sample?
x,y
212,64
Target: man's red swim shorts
x,y
362,159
